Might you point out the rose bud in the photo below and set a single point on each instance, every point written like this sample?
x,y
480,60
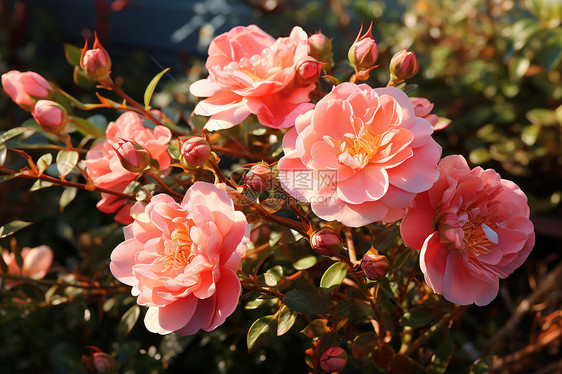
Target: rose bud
x,y
308,71
333,359
403,65
363,54
99,362
133,156
423,108
96,62
375,265
25,88
320,47
194,151
51,116
260,177
326,241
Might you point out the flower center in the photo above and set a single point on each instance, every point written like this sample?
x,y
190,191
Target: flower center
x,y
177,252
356,151
256,67
478,236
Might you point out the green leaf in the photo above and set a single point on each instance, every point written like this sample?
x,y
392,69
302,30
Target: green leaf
x,y
82,79
542,116
441,358
10,228
68,194
334,275
3,153
363,345
305,263
286,320
305,302
150,88
479,156
66,161
129,320
12,133
39,184
416,318
44,162
72,54
529,134
482,365
87,128
260,332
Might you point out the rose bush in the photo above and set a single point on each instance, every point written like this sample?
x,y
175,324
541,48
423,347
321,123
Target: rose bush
x,y
472,228
181,259
366,153
251,72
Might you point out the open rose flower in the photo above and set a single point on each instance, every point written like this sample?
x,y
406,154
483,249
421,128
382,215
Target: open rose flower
x,y
181,259
36,263
251,72
472,228
360,156
26,88
105,168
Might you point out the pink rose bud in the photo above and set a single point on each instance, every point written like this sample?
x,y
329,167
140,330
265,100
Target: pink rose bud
x,y
194,151
133,156
25,88
375,265
96,62
320,47
326,241
403,65
260,177
105,363
333,359
423,108
51,116
363,53
308,71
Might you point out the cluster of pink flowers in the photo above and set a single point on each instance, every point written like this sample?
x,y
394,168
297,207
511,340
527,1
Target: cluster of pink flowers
x,y
367,155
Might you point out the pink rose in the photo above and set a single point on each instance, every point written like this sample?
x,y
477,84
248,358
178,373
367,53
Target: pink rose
x,y
423,108
472,228
251,72
51,116
36,263
181,259
25,88
105,168
360,156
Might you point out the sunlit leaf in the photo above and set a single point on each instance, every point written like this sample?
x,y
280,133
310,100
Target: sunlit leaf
x,y
334,275
39,184
529,134
479,156
10,228
129,320
542,116
72,54
44,162
3,153
66,161
12,133
316,328
286,320
482,365
260,332
68,194
150,88
305,263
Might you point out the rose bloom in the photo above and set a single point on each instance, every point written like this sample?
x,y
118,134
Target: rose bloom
x,y
104,166
251,72
423,108
360,156
36,263
24,88
181,259
472,228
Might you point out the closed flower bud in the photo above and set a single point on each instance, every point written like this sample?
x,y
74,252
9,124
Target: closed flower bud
x,y
320,47
363,54
375,266
51,116
100,362
308,71
25,88
403,65
194,151
133,156
96,62
333,359
326,241
260,177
